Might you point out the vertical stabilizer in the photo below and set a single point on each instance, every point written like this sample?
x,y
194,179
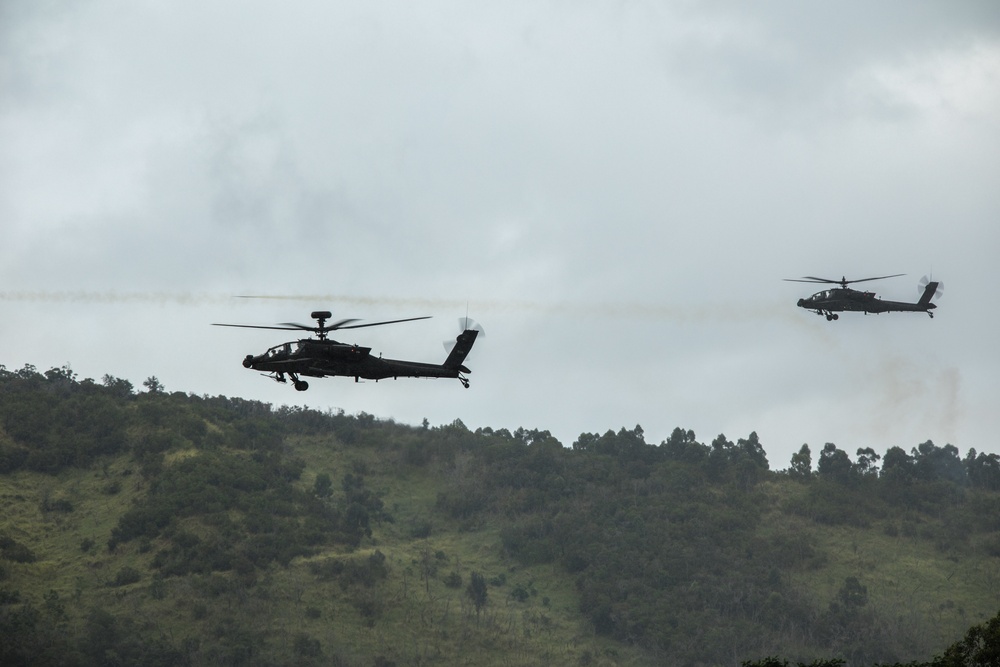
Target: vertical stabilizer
x,y
925,298
463,345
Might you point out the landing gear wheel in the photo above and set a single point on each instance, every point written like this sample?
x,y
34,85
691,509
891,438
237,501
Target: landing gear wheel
x,y
836,317
301,385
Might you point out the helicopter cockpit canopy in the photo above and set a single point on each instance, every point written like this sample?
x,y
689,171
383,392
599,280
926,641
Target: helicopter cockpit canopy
x,y
283,350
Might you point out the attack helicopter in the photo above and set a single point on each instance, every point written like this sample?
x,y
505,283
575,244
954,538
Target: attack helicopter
x,y
840,299
324,357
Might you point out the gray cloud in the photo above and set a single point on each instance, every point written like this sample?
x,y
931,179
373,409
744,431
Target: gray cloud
x,y
614,190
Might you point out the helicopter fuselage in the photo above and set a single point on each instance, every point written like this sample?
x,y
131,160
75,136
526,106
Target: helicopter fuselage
x,y
844,299
321,358
312,357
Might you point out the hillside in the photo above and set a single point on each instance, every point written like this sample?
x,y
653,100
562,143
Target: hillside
x,y
164,528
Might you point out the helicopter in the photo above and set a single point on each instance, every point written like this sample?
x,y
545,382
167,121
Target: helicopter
x,y
830,301
324,357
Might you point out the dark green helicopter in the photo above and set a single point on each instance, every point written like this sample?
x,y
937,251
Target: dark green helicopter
x,y
324,357
831,301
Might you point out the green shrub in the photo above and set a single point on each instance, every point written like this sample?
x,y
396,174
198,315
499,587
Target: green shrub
x,y
127,575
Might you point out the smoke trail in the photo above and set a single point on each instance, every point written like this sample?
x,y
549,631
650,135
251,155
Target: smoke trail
x,y
623,309
685,314
113,297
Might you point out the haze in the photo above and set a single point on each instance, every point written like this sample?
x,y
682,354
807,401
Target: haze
x,y
615,191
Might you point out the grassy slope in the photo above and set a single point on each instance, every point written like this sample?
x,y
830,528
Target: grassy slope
x,y
911,581
428,621
417,620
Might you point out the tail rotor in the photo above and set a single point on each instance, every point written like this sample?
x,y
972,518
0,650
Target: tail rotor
x,y
465,324
922,286
469,324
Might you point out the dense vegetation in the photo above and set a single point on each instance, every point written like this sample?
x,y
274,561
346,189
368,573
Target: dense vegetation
x,y
163,528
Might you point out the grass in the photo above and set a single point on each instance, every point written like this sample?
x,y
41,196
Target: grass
x,y
912,579
906,578
425,620
414,616
409,619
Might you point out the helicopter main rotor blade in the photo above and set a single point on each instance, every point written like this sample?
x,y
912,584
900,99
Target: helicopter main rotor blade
x,y
375,324
863,280
843,281
810,280
822,280
341,324
255,326
326,327
321,330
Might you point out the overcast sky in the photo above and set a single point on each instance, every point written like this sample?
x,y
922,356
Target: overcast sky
x,y
614,190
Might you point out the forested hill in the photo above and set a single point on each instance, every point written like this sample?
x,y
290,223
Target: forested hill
x,y
163,528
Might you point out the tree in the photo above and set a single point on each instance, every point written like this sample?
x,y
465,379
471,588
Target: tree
x,y
477,591
980,647
853,595
323,486
719,457
897,464
118,386
867,462
983,470
682,446
933,463
834,463
63,375
801,466
752,448
749,462
29,372
152,385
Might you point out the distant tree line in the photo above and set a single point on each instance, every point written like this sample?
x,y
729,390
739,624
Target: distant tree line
x,y
53,420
